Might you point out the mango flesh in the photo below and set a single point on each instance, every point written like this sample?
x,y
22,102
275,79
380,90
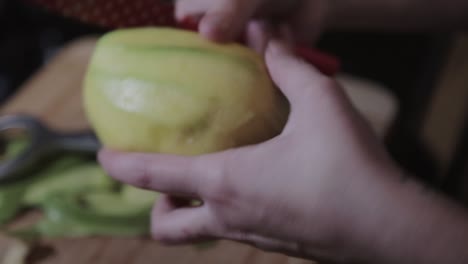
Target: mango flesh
x,y
172,91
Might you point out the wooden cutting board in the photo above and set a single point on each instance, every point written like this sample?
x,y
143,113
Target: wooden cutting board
x,y
54,96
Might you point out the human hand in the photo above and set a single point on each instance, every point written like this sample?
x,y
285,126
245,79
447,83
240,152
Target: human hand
x,y
308,192
225,20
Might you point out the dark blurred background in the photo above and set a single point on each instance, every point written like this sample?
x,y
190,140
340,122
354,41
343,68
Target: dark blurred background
x,y
407,64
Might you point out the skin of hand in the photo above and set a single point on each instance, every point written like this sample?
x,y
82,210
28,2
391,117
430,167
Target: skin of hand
x,y
225,20
304,193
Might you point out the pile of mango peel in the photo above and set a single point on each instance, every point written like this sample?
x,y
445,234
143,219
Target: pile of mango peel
x,y
76,199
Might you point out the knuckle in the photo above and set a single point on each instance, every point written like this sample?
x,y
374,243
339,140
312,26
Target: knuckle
x,y
143,182
143,177
203,171
220,187
216,182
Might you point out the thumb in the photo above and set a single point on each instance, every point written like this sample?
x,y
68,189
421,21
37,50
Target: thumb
x,y
300,82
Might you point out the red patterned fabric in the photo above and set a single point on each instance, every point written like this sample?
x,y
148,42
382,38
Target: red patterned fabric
x,y
114,13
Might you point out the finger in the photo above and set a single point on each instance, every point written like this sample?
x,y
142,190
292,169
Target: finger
x,y
163,173
299,81
172,224
258,35
226,20
191,8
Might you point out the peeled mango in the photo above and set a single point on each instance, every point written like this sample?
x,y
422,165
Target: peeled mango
x,y
172,91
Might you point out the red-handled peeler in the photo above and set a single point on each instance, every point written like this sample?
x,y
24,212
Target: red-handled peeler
x,y
123,13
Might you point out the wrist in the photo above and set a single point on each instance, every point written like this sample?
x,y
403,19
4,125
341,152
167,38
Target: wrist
x,y
357,215
374,206
406,222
